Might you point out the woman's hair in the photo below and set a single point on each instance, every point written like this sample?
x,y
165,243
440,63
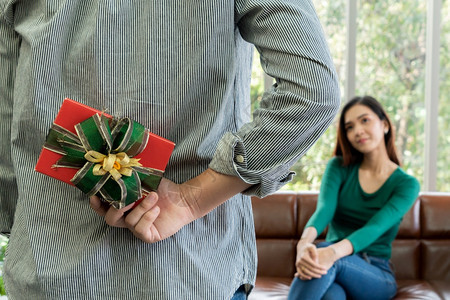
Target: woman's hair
x,y
343,147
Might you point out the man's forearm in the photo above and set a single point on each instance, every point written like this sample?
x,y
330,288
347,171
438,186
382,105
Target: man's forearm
x,y
210,189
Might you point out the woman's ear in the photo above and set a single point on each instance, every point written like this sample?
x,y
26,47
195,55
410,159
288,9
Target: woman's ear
x,y
386,127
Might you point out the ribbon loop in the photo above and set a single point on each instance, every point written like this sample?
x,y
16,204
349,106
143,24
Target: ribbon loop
x,y
94,156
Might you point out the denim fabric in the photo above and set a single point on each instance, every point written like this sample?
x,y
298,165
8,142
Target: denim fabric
x,y
240,294
358,276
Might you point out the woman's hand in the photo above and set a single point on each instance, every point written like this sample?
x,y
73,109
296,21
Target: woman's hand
x,y
326,257
158,216
308,264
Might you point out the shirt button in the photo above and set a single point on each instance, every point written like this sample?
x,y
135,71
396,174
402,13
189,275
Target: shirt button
x,y
239,158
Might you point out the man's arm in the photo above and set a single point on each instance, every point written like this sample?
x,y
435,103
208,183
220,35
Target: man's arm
x,y
299,107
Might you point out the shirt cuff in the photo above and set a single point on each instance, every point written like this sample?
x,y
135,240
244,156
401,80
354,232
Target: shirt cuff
x,y
231,159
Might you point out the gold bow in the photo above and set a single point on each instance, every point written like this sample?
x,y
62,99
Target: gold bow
x,y
116,164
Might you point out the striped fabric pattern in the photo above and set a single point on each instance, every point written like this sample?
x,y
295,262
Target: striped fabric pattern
x,y
182,69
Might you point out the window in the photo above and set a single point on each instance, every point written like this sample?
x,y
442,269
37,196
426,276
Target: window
x,y
390,64
443,176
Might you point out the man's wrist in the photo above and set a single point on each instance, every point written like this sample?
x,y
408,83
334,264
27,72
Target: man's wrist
x,y
190,194
210,189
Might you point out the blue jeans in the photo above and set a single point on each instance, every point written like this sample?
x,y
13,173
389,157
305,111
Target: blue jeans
x,y
240,294
357,276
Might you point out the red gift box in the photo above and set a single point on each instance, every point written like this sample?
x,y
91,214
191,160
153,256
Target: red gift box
x,y
155,155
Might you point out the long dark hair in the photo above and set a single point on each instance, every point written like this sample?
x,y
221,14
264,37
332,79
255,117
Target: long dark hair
x,y
343,147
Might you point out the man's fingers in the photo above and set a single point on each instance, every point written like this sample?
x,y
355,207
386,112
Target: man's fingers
x,y
139,219
98,206
136,214
145,230
114,216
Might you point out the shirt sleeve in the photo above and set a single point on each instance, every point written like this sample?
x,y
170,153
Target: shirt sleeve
x,y
299,107
9,49
332,180
403,197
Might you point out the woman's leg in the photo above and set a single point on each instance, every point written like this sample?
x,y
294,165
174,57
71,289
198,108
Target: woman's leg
x,y
365,278
356,277
314,289
335,292
240,294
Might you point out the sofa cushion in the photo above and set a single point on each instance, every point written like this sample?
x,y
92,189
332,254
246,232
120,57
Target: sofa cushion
x,y
281,208
416,289
436,260
406,251
435,226
278,257
442,287
273,288
410,225
435,221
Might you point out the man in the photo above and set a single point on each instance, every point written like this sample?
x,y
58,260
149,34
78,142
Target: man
x,y
182,69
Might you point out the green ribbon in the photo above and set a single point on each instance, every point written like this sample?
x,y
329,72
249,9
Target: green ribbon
x,y
105,136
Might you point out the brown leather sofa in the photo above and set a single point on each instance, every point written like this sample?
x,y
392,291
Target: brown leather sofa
x,y
421,251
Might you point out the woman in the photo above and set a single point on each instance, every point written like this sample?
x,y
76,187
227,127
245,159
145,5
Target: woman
x,y
363,197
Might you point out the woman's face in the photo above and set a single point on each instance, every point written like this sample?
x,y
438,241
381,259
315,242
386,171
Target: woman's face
x,y
364,129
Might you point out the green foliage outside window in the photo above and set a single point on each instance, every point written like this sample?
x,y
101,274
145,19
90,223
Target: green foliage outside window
x,y
3,243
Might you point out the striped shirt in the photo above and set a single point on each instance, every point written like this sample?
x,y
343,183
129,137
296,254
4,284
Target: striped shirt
x,y
182,69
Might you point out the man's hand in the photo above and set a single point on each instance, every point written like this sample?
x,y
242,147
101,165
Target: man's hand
x,y
162,213
158,216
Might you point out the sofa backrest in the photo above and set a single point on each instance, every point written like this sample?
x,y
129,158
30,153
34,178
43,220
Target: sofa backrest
x,y
420,251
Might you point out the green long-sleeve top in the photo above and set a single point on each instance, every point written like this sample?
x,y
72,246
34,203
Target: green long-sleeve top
x,y
369,221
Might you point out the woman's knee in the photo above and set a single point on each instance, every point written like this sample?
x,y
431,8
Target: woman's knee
x,y
335,292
